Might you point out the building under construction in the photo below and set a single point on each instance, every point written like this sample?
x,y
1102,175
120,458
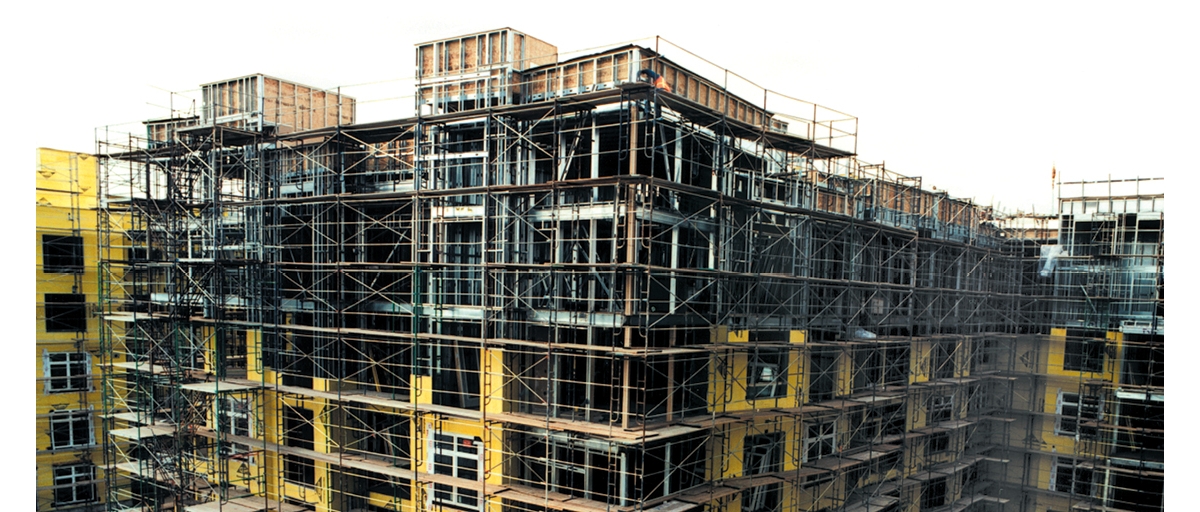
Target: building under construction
x,y
605,282
67,344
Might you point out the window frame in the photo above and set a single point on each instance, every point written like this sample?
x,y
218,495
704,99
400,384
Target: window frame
x,y
70,417
49,365
936,443
825,439
447,453
928,497
767,450
1076,472
230,416
75,481
934,408
760,360
1081,407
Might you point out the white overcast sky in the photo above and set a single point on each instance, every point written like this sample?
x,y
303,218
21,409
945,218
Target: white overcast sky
x,y
978,98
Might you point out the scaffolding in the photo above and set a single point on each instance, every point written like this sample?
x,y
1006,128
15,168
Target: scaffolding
x,y
554,287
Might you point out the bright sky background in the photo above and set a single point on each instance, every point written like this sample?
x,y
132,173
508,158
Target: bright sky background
x,y
979,99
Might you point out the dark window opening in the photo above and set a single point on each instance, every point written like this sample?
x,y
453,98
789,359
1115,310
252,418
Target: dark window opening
x,y
455,375
66,312
942,360
896,370
1143,365
982,356
933,493
941,408
62,254
968,477
824,377
1070,478
298,433
868,368
937,443
383,434
1084,356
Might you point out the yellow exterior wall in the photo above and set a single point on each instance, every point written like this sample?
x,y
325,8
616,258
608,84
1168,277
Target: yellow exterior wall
x,y
65,206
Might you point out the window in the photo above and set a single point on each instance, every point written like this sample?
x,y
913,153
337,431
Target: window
x,y
62,254
941,360
67,371
875,423
682,467
1143,365
1073,409
896,365
768,374
820,440
868,368
66,312
560,463
937,443
1084,356
456,456
233,418
889,462
74,484
968,476
455,375
982,355
298,433
383,434
1070,478
941,408
763,454
880,365
823,380
69,429
977,399
933,493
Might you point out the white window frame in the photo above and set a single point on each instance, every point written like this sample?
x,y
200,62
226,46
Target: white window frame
x,y
1082,411
73,481
770,459
69,417
229,411
826,437
437,441
770,379
81,360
